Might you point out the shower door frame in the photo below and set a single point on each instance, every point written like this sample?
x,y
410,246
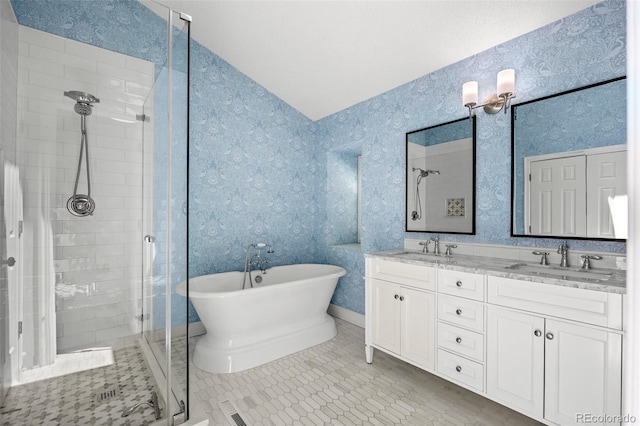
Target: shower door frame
x,y
160,362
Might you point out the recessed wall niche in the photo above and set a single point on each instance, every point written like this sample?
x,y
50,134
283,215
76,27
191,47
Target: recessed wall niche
x,y
342,196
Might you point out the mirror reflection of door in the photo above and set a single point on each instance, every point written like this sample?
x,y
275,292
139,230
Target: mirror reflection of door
x,y
569,195
575,122
558,197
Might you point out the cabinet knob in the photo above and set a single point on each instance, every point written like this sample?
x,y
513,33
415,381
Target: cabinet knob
x,y
396,296
537,333
549,336
458,311
401,298
459,283
9,262
458,368
458,340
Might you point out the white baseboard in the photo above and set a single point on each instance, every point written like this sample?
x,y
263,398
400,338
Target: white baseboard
x,y
346,315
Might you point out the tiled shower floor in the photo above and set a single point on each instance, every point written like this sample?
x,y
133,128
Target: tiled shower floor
x,y
331,384
71,399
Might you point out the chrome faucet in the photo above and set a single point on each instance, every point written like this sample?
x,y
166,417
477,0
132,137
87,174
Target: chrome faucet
x,y
586,263
425,246
255,260
258,261
544,254
436,245
563,250
447,252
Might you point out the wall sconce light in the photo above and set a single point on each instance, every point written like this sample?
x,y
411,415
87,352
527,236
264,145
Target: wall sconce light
x,y
494,103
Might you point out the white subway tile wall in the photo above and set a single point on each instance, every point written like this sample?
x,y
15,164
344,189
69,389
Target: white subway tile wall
x,y
94,262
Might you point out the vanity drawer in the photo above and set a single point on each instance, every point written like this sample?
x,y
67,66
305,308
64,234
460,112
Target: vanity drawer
x,y
461,369
463,284
461,341
588,306
420,276
463,312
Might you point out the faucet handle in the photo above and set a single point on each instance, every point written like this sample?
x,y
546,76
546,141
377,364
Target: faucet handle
x,y
544,254
425,244
447,252
586,263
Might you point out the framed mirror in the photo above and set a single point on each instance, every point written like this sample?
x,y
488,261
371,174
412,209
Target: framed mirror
x,y
569,164
441,178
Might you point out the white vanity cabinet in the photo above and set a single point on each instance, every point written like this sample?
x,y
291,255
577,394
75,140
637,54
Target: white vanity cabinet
x,y
550,351
401,311
554,367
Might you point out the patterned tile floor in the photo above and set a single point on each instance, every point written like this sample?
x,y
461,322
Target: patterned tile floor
x,y
328,384
71,399
331,384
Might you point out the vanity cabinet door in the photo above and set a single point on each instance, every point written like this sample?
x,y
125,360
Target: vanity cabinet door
x,y
583,372
418,327
515,359
385,315
403,322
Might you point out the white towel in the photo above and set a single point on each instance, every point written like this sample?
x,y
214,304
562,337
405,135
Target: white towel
x,y
618,206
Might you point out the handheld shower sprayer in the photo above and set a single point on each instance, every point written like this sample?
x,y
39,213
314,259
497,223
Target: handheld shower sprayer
x,y
416,214
82,204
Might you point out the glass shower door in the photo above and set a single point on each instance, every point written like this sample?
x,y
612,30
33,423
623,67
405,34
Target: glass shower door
x,y
165,147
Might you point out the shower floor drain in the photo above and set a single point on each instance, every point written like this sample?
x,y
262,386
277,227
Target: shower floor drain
x,y
107,393
231,413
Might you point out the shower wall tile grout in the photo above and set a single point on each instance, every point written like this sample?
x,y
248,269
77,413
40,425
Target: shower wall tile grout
x,y
94,260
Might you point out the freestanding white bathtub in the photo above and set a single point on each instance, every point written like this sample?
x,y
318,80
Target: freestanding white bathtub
x,y
283,314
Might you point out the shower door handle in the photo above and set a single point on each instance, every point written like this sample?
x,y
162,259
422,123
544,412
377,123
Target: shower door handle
x,y
9,262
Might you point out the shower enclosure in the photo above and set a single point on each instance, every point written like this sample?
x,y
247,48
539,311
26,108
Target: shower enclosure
x,y
95,205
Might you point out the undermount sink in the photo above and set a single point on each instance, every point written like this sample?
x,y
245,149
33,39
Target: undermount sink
x,y
562,273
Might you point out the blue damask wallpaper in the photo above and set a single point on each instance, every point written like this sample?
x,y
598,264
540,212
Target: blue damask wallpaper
x,y
581,49
440,133
260,171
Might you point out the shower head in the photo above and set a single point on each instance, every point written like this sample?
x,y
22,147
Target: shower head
x,y
82,97
425,173
83,100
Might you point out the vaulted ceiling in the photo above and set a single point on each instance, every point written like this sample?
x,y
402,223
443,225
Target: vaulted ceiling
x,y
324,56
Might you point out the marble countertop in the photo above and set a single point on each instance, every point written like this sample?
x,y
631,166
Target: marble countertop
x,y
599,279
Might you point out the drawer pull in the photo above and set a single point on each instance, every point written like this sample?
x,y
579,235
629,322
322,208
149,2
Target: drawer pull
x,y
401,298
537,333
459,283
550,336
458,340
458,368
396,296
458,311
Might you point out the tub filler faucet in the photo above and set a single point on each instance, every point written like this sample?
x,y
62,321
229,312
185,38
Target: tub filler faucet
x,y
255,260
